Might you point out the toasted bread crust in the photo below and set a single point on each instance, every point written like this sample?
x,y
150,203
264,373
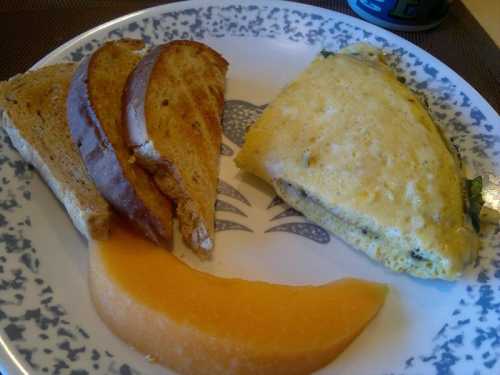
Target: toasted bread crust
x,y
180,144
102,146
32,107
136,89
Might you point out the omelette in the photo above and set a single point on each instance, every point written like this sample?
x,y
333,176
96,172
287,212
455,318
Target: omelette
x,y
355,150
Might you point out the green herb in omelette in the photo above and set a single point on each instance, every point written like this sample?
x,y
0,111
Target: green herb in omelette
x,y
474,190
326,53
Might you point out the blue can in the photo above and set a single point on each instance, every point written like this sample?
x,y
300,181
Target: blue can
x,y
403,15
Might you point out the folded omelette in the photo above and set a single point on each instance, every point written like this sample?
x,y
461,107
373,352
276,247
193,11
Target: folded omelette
x,y
356,152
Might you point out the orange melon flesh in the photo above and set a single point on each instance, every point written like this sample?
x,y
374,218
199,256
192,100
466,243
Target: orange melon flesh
x,y
197,323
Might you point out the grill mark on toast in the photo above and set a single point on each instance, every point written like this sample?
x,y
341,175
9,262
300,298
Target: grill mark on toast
x,y
184,163
197,95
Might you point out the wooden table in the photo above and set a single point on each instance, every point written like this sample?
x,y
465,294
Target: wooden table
x,y
487,12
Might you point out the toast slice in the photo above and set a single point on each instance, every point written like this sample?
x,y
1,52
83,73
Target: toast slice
x,y
353,149
174,101
33,114
94,111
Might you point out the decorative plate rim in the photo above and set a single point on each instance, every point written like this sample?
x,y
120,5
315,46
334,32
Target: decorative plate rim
x,y
476,99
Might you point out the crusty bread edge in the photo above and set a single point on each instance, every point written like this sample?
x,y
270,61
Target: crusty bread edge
x,y
96,151
137,86
90,225
195,233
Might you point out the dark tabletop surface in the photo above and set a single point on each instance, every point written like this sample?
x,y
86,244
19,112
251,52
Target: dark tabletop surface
x,y
30,29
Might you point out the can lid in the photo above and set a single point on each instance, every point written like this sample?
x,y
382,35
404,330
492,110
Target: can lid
x,y
381,13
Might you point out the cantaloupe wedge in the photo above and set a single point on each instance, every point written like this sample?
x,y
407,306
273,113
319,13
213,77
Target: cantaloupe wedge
x,y
197,323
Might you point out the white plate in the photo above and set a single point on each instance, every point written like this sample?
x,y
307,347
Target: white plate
x,y
47,322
